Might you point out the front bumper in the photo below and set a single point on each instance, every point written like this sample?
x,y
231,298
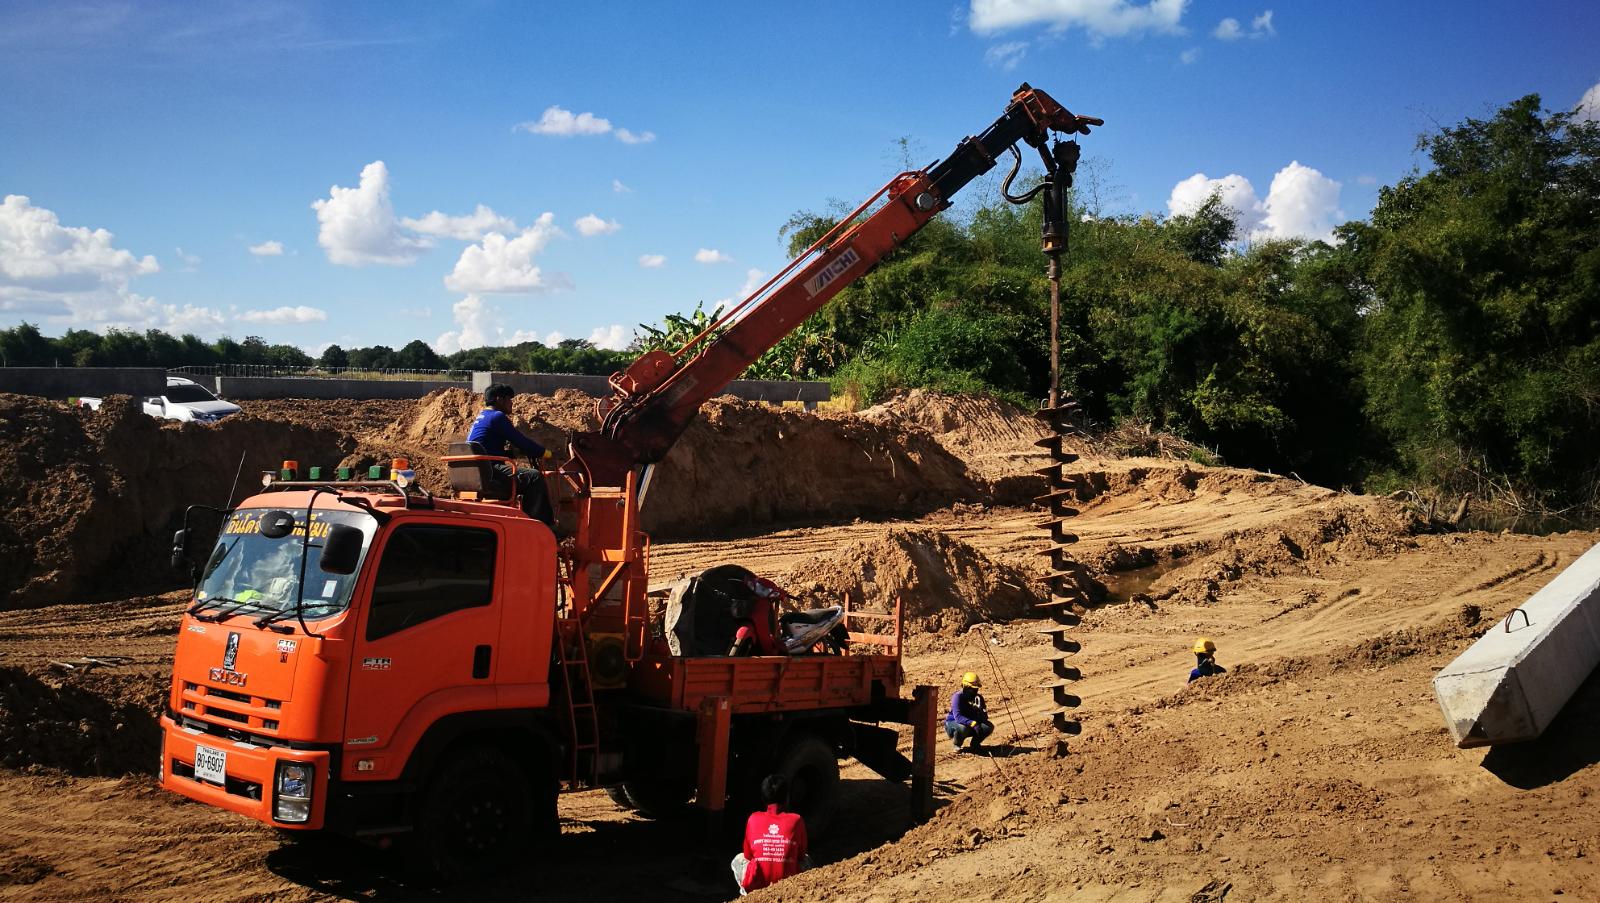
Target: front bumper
x,y
250,774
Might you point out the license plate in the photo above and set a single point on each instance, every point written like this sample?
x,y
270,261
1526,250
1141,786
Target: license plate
x,y
210,765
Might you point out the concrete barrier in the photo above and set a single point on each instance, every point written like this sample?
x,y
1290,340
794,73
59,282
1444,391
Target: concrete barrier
x,y
1509,685
769,390
235,388
68,382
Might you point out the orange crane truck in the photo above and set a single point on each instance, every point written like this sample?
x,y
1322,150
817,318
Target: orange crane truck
x,y
367,658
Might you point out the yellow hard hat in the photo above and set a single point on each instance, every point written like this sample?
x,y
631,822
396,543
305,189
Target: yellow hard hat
x,y
1204,645
970,679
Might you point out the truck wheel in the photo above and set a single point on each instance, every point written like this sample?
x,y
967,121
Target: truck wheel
x,y
480,814
620,797
813,772
657,799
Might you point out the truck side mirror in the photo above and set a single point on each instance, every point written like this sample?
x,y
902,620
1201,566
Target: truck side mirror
x,y
341,550
180,549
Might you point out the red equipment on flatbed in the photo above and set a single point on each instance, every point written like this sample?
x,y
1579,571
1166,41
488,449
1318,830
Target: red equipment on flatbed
x,y
440,668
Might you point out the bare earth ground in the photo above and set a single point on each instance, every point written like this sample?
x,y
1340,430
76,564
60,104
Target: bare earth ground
x,y
1319,768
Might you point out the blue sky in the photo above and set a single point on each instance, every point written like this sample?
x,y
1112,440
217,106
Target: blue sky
x,y
165,162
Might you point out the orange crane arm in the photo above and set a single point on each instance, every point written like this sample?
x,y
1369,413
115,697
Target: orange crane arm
x,y
656,398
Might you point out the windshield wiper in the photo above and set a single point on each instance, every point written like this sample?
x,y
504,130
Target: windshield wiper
x,y
268,620
226,613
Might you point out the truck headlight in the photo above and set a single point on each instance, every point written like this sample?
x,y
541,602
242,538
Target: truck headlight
x,y
291,801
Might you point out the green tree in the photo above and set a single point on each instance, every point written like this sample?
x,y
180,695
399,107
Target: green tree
x,y
1481,355
333,358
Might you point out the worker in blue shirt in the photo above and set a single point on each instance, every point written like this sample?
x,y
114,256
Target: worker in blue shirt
x,y
969,715
493,431
1205,660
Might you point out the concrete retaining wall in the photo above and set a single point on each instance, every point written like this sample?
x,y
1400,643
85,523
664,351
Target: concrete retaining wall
x,y
68,382
768,390
235,388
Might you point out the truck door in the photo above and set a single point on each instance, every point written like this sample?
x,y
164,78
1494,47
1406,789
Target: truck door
x,y
425,645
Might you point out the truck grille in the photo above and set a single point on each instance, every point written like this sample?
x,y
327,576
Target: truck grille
x,y
230,710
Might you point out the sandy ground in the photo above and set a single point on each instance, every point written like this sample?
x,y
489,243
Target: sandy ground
x,y
1318,768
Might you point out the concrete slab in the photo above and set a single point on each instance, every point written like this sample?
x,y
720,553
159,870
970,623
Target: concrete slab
x,y
1509,685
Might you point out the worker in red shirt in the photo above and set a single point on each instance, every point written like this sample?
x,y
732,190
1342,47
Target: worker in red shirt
x,y
774,841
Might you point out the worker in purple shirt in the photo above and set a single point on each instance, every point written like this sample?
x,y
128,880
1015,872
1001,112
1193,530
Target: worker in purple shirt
x,y
969,715
493,432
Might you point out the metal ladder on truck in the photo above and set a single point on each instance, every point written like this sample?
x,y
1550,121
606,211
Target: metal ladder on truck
x,y
583,722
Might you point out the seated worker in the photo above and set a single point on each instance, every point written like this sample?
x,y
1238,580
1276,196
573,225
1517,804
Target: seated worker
x,y
969,715
493,431
1205,664
774,841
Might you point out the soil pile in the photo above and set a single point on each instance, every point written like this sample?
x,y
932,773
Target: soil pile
x,y
740,464
993,437
943,584
92,497
357,417
101,724
428,428
1345,528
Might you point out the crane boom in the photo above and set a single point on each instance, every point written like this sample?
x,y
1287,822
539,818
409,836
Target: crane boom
x,y
657,396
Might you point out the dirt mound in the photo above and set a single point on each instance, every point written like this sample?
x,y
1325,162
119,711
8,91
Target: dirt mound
x,y
1345,528
92,498
102,724
358,417
993,438
740,464
426,429
942,583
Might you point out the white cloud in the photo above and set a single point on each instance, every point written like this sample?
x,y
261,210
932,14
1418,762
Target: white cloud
x,y
1588,108
1261,26
1100,18
652,261
564,123
191,262
282,316
590,225
1189,56
479,323
710,255
468,227
1235,190
1366,180
627,137
753,279
1228,30
1006,56
619,188
501,264
74,276
555,338
612,338
358,226
1301,203
268,249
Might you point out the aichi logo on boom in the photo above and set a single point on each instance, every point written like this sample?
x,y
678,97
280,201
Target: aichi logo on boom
x,y
838,267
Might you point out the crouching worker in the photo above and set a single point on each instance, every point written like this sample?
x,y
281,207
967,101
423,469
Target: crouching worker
x,y
493,431
774,841
1205,660
969,715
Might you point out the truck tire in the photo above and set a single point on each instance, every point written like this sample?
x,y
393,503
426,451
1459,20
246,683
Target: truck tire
x,y
653,799
813,772
480,815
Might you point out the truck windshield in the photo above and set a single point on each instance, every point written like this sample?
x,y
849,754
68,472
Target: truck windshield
x,y
248,572
185,393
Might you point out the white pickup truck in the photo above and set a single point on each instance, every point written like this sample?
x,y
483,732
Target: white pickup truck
x,y
184,400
